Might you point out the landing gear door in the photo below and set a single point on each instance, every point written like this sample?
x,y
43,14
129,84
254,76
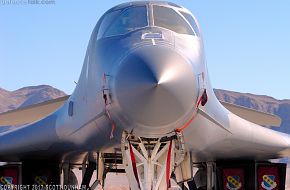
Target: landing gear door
x,y
183,172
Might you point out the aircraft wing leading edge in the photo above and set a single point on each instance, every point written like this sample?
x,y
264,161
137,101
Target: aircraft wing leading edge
x,y
31,113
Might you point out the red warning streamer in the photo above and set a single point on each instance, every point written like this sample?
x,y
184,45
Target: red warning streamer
x,y
202,100
168,163
134,164
112,124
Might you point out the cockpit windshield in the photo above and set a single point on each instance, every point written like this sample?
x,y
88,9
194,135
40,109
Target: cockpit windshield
x,y
168,18
123,21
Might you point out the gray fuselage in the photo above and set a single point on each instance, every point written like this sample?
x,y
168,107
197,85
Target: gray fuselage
x,y
143,74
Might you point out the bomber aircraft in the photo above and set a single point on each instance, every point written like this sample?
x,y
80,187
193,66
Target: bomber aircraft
x,y
144,106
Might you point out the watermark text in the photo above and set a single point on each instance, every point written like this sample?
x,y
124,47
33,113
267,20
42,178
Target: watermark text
x,y
27,2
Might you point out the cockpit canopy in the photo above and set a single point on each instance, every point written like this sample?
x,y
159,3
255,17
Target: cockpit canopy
x,y
130,18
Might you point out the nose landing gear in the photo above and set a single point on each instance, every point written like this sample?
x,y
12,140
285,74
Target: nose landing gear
x,y
149,162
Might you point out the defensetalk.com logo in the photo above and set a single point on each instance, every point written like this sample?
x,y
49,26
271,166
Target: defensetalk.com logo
x,y
27,2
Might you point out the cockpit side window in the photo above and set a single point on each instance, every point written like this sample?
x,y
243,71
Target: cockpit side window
x,y
121,22
170,19
107,20
192,22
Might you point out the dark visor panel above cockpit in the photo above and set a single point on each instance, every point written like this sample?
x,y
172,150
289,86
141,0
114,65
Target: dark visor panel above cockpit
x,y
123,21
168,18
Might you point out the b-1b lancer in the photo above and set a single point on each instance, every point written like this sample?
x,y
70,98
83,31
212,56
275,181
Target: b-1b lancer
x,y
144,105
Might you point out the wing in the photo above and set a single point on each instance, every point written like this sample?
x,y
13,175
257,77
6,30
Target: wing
x,y
31,113
257,117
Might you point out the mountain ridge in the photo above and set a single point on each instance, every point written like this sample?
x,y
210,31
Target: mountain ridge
x,y
25,96
262,103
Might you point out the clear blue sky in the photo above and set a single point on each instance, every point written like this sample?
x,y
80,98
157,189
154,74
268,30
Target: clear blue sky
x,y
247,43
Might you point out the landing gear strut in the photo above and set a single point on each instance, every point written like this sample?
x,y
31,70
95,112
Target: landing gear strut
x,y
88,174
149,162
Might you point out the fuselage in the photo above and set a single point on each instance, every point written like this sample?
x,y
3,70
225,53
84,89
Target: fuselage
x,y
147,78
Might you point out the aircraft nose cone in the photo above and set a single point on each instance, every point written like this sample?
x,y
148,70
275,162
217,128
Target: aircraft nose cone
x,y
155,86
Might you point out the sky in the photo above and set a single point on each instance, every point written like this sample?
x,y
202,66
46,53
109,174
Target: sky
x,y
247,43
